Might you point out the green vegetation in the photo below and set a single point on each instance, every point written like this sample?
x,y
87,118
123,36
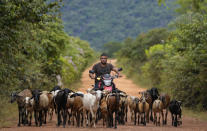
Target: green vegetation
x,y
111,47
35,48
102,21
175,60
201,115
185,6
132,54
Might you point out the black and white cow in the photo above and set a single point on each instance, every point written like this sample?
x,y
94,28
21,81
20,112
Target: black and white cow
x,y
176,112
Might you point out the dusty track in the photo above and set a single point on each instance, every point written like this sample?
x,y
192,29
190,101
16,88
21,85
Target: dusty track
x,y
189,124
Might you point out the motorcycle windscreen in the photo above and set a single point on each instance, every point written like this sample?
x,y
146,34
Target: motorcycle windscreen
x,y
108,88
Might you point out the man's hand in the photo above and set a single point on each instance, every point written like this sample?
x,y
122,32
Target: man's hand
x,y
119,75
92,76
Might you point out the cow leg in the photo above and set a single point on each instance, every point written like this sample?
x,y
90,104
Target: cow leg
x,y
151,117
85,119
103,117
58,117
51,113
135,118
36,120
109,120
126,113
45,116
116,116
144,120
22,116
132,115
147,117
166,116
19,123
138,118
40,118
30,117
163,121
155,118
94,119
175,121
78,119
64,117
172,117
159,118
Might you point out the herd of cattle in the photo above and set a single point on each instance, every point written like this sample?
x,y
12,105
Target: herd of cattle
x,y
87,109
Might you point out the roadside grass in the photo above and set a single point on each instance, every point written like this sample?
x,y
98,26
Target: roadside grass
x,y
8,113
201,115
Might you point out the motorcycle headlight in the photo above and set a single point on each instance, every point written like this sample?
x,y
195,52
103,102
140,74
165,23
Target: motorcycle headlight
x,y
107,82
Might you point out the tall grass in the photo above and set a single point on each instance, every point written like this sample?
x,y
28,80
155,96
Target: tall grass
x,y
8,112
201,115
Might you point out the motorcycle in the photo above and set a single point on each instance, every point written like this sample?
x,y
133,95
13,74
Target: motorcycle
x,y
106,81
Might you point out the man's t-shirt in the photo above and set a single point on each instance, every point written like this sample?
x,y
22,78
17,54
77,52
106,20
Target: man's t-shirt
x,y
99,70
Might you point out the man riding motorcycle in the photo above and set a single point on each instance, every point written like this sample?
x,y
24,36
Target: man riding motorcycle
x,y
100,70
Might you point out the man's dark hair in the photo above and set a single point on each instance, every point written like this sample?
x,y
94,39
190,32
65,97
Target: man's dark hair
x,y
104,54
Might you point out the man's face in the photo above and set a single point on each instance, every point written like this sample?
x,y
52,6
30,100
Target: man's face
x,y
103,59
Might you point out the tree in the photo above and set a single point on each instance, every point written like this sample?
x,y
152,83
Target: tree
x,y
111,47
196,6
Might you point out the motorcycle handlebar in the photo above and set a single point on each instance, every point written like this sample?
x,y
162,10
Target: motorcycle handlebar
x,y
113,77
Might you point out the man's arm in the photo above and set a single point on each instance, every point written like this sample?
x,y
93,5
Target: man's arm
x,y
115,70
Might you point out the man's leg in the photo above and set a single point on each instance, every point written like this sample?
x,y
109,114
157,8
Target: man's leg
x,y
96,86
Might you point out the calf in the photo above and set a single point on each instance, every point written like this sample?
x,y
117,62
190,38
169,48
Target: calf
x,y
41,103
60,101
113,107
132,106
154,95
157,107
77,107
29,105
20,98
104,111
176,111
135,108
143,109
148,98
123,108
165,98
91,103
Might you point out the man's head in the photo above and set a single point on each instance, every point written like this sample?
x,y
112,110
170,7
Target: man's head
x,y
103,58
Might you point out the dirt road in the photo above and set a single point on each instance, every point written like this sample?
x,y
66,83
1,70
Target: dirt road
x,y
189,124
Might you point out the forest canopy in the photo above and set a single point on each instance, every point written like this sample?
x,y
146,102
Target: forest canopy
x,y
103,21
